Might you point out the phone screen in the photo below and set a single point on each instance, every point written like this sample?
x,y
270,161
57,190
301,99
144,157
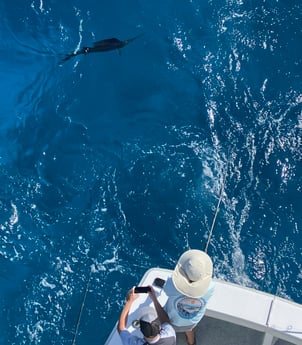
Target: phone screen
x,y
142,289
159,282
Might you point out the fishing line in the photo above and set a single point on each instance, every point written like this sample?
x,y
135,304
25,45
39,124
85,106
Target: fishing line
x,y
81,309
217,207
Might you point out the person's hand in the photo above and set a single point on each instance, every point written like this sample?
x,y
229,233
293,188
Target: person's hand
x,y
131,296
152,292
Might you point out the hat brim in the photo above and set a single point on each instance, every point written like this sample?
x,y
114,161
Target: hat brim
x,y
194,289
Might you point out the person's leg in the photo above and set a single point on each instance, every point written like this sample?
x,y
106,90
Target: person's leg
x,y
190,335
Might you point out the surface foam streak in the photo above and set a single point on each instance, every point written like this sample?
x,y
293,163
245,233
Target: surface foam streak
x,y
41,7
78,13
238,265
212,110
14,218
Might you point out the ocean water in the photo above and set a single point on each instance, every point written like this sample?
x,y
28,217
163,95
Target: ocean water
x,y
113,163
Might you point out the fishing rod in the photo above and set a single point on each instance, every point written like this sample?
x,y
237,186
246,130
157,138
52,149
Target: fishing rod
x,y
217,207
81,309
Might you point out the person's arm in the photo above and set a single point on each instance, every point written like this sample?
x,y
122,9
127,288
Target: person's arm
x,y
162,315
122,323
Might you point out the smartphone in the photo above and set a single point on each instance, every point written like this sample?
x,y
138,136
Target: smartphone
x,y
142,289
159,282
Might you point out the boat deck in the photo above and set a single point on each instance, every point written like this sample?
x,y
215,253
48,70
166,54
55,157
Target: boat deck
x,y
211,331
235,315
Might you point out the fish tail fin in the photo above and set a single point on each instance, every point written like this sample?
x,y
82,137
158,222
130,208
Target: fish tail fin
x,y
67,57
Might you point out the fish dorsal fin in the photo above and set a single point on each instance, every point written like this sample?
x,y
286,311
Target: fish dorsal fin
x,y
105,42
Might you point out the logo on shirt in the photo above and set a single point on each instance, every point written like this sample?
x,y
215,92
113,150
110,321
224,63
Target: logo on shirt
x,y
189,307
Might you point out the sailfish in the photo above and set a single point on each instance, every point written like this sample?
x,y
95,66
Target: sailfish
x,y
102,46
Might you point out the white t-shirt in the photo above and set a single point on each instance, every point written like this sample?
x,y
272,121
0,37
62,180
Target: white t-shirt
x,y
184,310
167,337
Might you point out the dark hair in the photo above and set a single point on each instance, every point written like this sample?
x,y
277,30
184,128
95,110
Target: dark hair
x,y
150,329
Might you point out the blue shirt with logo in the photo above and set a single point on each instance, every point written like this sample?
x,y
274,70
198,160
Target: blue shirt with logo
x,y
184,310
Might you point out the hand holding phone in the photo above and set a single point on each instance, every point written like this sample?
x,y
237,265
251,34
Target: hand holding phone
x,y
142,289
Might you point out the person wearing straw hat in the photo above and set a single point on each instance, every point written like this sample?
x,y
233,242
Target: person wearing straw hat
x,y
188,290
153,323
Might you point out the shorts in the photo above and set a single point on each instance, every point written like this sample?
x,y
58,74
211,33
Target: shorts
x,y
179,329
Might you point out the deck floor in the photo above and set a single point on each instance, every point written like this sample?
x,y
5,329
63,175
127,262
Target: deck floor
x,y
225,333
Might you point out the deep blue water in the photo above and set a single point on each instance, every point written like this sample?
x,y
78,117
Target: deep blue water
x,y
115,161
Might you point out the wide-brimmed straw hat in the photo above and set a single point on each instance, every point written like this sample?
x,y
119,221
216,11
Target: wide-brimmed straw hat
x,y
193,273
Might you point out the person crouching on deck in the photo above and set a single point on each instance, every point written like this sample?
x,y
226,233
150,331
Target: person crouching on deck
x,y
154,323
